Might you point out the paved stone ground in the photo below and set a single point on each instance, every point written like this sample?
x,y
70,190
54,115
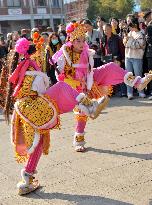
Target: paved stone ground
x,y
115,170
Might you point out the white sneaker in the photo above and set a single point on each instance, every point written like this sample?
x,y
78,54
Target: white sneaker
x,y
142,95
130,97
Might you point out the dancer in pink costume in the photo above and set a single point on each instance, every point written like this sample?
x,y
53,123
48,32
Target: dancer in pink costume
x,y
75,67
36,111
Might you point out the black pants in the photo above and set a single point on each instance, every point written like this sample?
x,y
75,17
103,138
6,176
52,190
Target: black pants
x,y
51,74
149,87
149,60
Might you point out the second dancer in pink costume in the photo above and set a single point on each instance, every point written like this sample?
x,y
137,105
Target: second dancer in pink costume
x,y
76,67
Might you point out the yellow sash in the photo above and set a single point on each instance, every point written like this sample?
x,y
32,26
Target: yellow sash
x,y
73,83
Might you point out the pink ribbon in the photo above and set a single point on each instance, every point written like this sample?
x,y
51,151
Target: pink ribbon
x,y
18,75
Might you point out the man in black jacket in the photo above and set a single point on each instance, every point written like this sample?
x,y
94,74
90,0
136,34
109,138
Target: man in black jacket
x,y
113,50
112,44
148,51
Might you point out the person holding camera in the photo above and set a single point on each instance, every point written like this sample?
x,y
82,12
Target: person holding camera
x,y
134,50
123,28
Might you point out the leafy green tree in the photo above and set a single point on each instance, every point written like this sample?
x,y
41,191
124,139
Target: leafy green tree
x,y
110,8
124,7
146,4
107,8
93,10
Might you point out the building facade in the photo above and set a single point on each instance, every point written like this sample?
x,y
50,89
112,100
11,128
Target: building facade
x,y
18,14
76,9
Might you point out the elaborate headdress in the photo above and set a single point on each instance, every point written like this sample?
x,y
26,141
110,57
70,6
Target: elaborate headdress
x,y
75,30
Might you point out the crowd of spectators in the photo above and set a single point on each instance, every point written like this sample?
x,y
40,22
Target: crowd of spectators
x,y
127,42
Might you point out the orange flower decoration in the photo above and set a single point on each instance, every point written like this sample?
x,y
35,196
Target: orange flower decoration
x,y
75,25
39,45
41,40
35,41
38,40
36,35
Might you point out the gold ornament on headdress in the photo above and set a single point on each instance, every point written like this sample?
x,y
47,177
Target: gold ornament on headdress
x,y
75,30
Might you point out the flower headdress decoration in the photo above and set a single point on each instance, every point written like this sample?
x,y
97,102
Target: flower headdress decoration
x,y
22,46
38,40
75,30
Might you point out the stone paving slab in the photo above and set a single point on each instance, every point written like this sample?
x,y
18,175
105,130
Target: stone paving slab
x,y
116,169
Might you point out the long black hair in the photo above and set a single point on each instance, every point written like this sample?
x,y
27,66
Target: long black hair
x,y
9,100
54,47
8,108
134,24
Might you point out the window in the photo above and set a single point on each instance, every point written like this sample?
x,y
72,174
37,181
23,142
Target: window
x,y
33,1
55,3
1,3
24,3
14,3
41,2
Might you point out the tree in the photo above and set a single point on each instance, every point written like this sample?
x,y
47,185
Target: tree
x,y
93,10
146,4
107,8
124,7
110,8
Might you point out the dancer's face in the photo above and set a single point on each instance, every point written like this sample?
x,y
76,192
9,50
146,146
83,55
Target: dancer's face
x,y
78,44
